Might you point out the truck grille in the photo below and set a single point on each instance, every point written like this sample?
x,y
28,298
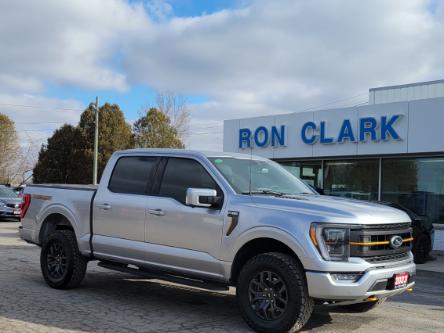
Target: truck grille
x,y
388,258
13,205
375,242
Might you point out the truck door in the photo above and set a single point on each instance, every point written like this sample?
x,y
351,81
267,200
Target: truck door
x,y
187,237
120,208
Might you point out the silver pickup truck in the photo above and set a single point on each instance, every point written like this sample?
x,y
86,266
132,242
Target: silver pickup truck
x,y
214,220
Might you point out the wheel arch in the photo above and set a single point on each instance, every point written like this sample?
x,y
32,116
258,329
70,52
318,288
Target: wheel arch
x,y
255,247
52,222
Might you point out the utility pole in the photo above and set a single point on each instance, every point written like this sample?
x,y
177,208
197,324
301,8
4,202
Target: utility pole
x,y
96,142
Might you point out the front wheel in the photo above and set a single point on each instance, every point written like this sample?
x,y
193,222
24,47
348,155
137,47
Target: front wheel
x,y
62,265
272,294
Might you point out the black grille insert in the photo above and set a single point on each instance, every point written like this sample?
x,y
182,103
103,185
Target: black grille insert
x,y
13,205
387,258
374,240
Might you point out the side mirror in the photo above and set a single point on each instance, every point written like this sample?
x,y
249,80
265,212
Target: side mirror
x,y
202,197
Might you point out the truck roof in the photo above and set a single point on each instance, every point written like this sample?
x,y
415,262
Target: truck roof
x,y
186,152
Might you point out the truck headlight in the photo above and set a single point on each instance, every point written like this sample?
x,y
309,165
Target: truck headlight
x,y
331,240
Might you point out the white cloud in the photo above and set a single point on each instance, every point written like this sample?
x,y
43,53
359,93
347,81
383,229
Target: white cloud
x,y
37,117
282,52
265,57
287,56
66,42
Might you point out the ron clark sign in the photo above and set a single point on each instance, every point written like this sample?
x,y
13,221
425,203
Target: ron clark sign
x,y
368,129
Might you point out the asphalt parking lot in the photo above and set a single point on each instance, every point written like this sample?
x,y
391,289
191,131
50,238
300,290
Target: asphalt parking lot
x,y
114,302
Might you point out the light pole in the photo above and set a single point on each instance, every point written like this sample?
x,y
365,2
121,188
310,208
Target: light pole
x,y
96,142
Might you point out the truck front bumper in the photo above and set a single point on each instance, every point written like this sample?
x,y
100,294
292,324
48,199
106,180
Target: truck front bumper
x,y
376,281
10,212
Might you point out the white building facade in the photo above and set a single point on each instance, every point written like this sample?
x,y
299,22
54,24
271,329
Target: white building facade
x,y
391,149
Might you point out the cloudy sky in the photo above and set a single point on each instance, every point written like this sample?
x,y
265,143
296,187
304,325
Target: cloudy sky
x,y
229,58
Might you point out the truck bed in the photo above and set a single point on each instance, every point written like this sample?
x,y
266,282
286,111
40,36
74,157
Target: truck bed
x,y
64,199
89,187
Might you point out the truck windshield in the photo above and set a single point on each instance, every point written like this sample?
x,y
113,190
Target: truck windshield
x,y
7,193
253,176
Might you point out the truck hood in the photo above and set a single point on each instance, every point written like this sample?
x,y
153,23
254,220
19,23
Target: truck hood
x,y
322,208
10,201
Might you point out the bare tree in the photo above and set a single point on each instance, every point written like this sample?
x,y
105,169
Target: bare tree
x,y
16,160
26,160
175,107
9,149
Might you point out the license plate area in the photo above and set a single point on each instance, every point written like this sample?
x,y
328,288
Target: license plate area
x,y
400,280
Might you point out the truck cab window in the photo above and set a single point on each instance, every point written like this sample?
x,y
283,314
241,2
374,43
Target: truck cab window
x,y
132,175
181,174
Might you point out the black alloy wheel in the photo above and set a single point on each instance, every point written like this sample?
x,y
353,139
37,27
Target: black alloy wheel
x,y
272,293
268,295
62,264
56,260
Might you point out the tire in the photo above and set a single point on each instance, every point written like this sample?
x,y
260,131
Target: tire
x,y
363,307
62,265
267,275
421,249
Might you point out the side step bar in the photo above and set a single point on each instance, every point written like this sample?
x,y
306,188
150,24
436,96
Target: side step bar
x,y
159,275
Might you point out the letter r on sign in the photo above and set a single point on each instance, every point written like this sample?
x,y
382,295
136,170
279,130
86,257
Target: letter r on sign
x,y
244,138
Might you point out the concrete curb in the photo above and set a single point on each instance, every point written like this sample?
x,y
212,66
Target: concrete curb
x,y
435,266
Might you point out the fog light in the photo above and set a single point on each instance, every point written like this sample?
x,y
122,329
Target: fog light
x,y
346,277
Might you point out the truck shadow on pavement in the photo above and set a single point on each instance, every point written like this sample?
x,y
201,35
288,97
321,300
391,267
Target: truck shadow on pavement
x,y
111,301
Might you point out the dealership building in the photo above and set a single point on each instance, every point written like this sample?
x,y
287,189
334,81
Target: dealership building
x,y
391,149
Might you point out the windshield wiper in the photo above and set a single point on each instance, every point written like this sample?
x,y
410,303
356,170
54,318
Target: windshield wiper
x,y
276,193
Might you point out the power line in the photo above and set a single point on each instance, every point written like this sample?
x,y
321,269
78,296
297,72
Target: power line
x,y
40,107
39,122
200,127
333,102
28,130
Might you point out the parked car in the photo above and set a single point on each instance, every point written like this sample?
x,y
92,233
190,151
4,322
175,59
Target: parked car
x,y
423,233
10,203
19,190
214,220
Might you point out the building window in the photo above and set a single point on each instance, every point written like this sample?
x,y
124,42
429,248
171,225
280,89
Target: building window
x,y
357,179
416,183
309,171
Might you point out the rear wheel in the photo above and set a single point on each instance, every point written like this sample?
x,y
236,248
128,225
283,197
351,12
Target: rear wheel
x,y
364,307
272,294
421,249
62,265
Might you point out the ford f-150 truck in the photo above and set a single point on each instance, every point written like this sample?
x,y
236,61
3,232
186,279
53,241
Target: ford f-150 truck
x,y
214,220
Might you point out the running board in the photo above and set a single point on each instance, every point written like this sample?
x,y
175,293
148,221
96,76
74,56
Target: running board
x,y
159,275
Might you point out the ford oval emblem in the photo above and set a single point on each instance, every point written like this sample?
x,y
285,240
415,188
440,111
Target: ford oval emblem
x,y
396,242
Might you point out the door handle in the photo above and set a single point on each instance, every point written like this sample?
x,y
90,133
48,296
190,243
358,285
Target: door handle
x,y
104,206
157,212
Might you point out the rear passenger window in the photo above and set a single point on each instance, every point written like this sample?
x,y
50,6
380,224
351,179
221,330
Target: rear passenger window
x,y
181,174
132,174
